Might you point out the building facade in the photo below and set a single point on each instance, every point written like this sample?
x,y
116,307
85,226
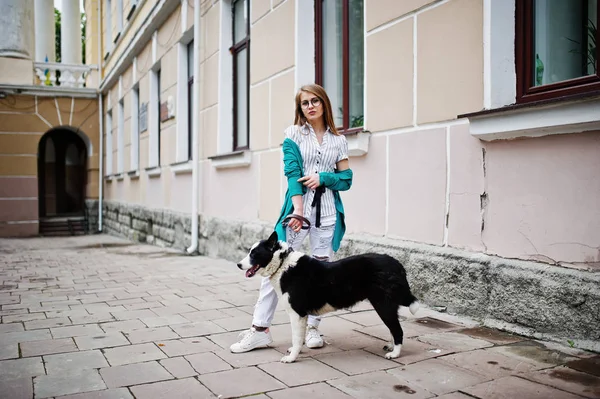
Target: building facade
x,y
473,132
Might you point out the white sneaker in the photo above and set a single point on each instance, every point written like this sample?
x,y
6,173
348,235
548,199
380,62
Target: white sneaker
x,y
251,339
313,338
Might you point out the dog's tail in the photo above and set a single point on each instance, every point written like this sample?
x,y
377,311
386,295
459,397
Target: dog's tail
x,y
414,306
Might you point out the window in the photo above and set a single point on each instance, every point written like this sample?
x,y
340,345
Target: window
x,y
108,26
119,17
154,118
109,144
556,48
135,129
339,47
241,66
190,96
120,137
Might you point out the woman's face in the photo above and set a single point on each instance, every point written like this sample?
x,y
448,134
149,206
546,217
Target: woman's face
x,y
312,106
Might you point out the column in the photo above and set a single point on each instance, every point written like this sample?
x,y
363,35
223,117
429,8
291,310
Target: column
x,y
16,23
45,31
70,32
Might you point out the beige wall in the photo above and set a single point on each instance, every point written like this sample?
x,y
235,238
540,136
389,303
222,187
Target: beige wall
x,y
425,178
24,119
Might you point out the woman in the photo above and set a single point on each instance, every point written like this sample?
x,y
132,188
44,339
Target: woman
x,y
316,166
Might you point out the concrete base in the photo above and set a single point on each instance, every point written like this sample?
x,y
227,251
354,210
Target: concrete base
x,y
533,299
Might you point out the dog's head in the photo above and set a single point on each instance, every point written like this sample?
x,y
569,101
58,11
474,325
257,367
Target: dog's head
x,y
264,257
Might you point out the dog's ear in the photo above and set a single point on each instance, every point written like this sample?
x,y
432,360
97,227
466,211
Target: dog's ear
x,y
272,241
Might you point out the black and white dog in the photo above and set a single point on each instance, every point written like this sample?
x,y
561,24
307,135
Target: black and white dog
x,y
311,287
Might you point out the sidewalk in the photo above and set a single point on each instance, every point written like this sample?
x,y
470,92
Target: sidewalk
x,y
100,317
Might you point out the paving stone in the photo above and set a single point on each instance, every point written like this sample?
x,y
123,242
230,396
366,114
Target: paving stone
x,y
188,388
47,347
491,335
133,314
319,390
24,336
248,381
368,318
453,395
72,362
301,372
567,379
412,351
10,351
161,321
92,318
178,367
233,323
251,358
534,353
133,354
134,374
16,388
66,313
118,393
64,384
17,368
205,363
515,387
47,323
489,363
172,310
11,327
437,376
454,342
123,326
379,385
356,362
197,329
186,346
101,341
151,334
76,331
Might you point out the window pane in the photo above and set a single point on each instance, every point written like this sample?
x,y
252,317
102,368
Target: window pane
x,y
564,41
190,64
333,56
241,64
239,20
356,61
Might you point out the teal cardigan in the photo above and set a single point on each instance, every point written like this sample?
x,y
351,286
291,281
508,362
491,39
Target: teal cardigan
x,y
335,181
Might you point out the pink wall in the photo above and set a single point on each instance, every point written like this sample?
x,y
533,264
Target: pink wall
x,y
544,198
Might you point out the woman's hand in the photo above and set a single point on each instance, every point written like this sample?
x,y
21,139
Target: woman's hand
x,y
294,223
311,181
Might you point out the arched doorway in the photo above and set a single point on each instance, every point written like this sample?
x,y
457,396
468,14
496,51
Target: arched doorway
x,y
62,174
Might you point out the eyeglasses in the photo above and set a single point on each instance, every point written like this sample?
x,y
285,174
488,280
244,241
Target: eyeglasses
x,y
315,101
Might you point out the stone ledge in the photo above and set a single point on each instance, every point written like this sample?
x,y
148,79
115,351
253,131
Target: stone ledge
x,y
530,298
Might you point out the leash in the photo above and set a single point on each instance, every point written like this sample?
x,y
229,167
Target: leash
x,y
305,225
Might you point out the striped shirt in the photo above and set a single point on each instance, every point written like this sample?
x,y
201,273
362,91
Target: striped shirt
x,y
319,158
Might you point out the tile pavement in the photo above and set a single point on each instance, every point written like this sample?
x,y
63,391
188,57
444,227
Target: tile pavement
x,y
99,317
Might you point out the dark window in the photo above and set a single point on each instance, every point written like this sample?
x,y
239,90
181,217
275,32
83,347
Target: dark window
x,y
339,46
240,51
158,114
190,74
556,48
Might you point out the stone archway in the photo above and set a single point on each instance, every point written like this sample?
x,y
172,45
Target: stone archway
x,y
62,173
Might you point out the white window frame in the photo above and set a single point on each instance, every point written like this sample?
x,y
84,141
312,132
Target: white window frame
x,y
183,144
500,89
225,139
134,163
109,144
120,137
154,118
119,16
108,21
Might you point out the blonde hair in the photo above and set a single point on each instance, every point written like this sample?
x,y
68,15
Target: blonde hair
x,y
320,92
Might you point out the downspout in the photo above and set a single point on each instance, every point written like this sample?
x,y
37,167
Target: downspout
x,y
101,122
195,129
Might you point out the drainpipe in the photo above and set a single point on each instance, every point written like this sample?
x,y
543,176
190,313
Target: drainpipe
x,y
101,122
195,129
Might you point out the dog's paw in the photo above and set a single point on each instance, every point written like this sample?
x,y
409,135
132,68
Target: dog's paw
x,y
388,347
288,359
391,355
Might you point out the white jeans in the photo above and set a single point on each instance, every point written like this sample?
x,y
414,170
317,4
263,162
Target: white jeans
x,y
321,240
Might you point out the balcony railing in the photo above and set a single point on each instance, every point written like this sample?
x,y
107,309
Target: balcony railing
x,y
63,75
